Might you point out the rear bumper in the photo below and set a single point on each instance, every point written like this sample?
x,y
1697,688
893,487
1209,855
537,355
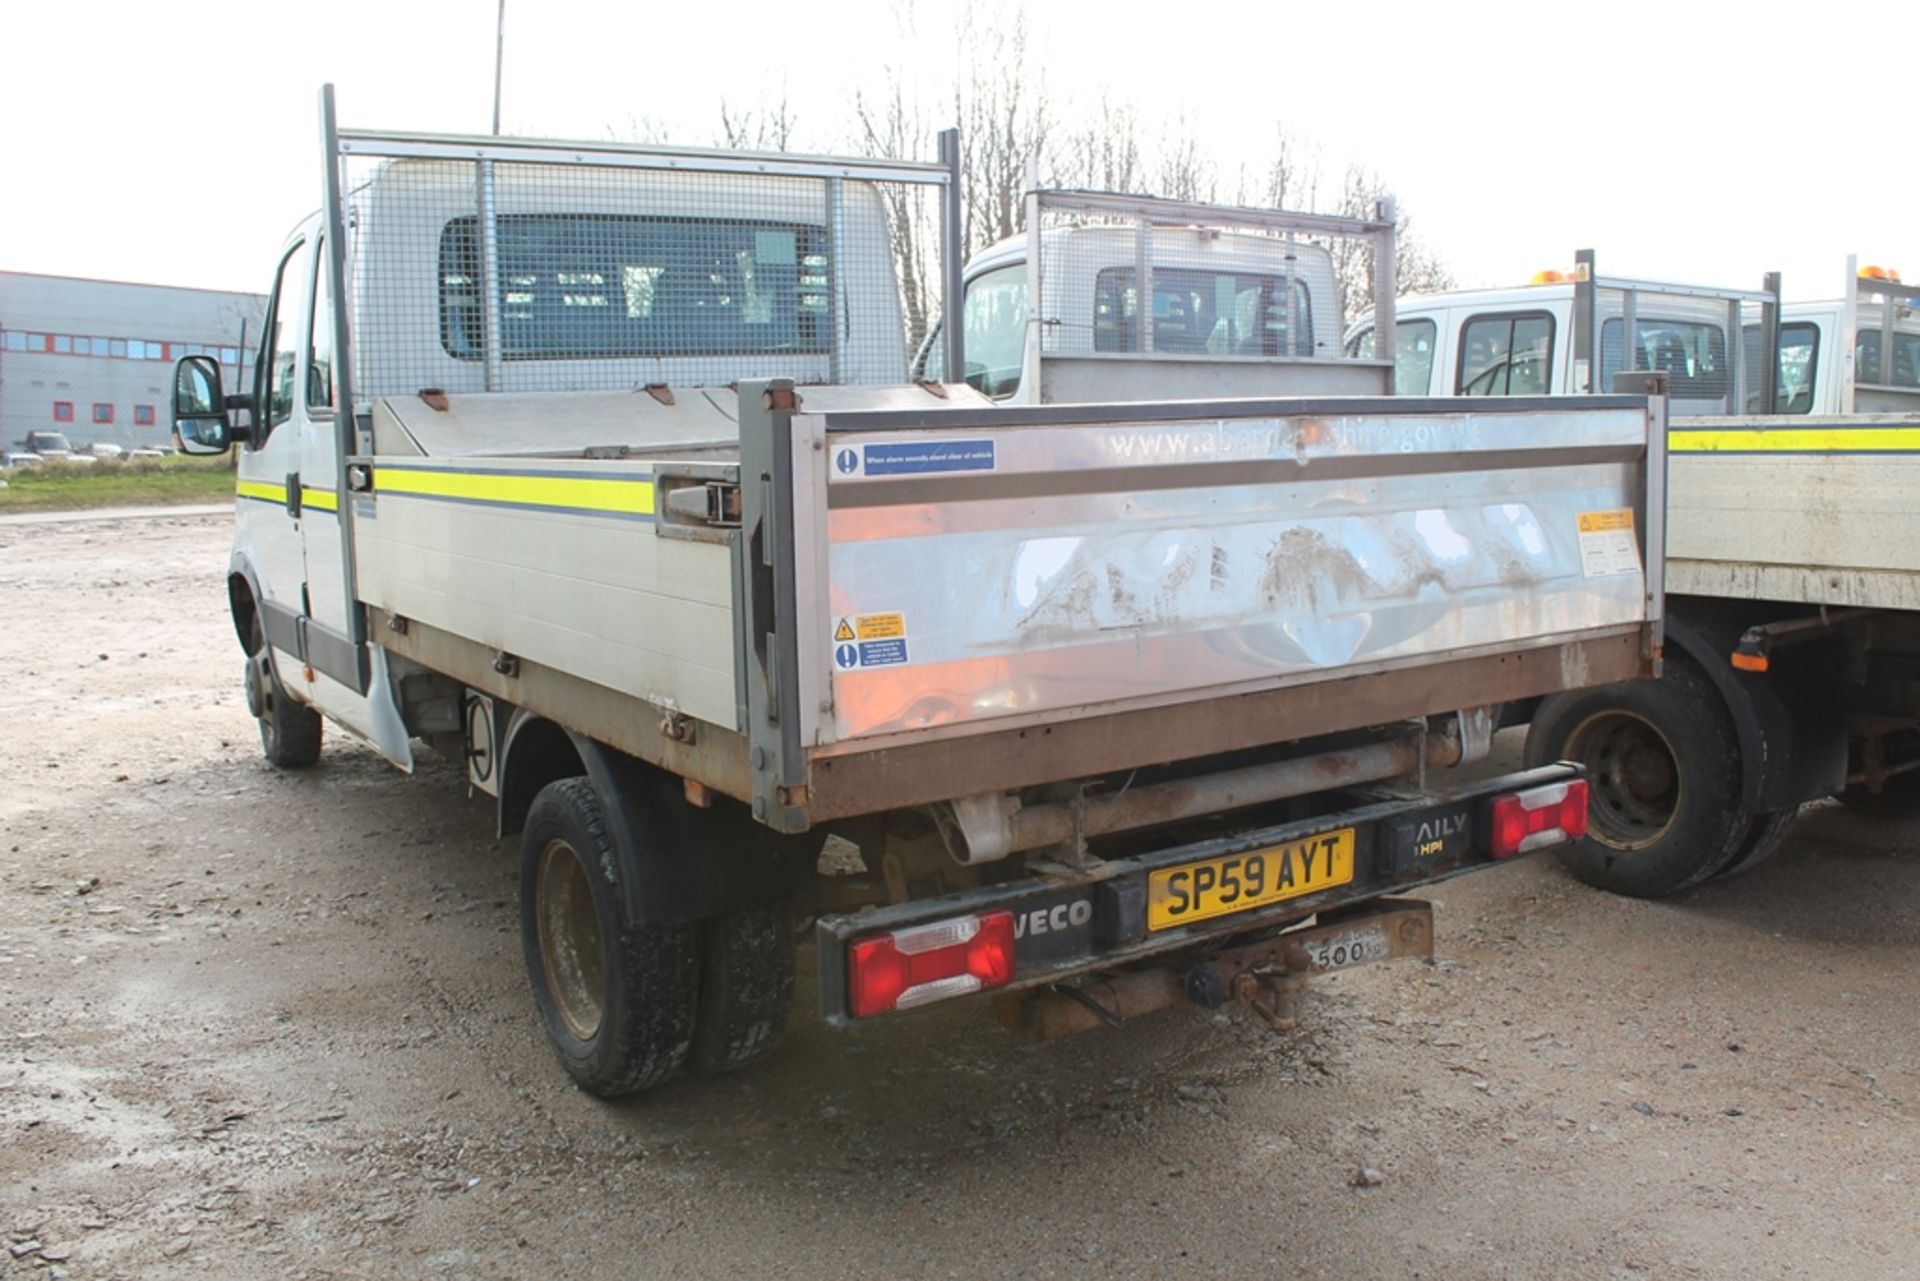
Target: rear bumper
x,y
1080,922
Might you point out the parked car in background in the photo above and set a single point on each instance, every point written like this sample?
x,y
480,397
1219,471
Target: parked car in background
x,y
21,458
103,449
146,451
47,444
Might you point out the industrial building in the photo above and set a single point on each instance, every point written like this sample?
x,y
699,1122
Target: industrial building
x,y
93,359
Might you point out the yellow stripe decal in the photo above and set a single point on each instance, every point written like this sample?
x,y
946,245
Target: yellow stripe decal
x,y
265,491
325,499
630,497
1797,440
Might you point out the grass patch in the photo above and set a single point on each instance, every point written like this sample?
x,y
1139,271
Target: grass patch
x,y
122,482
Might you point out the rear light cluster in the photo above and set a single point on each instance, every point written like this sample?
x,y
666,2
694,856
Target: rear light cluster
x,y
905,968
1539,817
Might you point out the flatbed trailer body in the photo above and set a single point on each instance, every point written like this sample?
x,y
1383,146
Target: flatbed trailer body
x,y
1141,582
1819,510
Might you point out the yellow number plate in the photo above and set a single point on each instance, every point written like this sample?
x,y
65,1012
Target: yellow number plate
x,y
1241,882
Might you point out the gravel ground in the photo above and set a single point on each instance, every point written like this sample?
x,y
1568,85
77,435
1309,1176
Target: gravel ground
x,y
255,1024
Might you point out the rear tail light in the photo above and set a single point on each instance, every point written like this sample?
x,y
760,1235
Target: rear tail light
x,y
1539,817
905,968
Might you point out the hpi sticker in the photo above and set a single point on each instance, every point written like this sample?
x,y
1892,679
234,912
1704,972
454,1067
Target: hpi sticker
x,y
869,640
913,457
1606,543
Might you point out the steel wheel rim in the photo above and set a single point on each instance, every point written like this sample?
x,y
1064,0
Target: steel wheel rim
x,y
1634,777
569,933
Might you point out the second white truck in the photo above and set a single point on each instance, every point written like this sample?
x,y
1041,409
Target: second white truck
x,y
1793,551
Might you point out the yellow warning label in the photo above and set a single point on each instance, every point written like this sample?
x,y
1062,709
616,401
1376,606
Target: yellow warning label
x,y
879,626
1607,544
844,632
1607,521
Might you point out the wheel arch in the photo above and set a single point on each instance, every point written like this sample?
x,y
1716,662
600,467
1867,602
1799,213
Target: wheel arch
x,y
677,862
1793,742
243,598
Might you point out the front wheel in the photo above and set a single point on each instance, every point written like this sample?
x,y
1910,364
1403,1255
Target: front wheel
x,y
617,995
289,731
1664,772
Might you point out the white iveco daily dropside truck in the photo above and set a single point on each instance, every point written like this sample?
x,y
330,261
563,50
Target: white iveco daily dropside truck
x,y
600,468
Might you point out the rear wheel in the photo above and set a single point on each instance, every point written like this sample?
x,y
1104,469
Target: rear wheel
x,y
616,995
1663,766
1764,836
289,731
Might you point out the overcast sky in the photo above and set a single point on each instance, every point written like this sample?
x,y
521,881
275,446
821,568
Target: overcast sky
x,y
1708,143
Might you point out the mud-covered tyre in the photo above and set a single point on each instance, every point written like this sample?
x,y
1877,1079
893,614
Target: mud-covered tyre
x,y
1766,831
1664,772
289,731
746,988
615,994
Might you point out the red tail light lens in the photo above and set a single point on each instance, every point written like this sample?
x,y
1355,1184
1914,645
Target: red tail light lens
x,y
905,968
1534,819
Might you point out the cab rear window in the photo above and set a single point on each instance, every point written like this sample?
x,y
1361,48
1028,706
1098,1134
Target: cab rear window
x,y
581,285
1693,355
1905,368
1205,313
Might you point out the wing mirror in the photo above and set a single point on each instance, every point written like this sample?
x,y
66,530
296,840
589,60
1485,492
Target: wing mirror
x,y
200,423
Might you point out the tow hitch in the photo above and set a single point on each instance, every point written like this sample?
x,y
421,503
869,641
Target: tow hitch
x,y
1268,973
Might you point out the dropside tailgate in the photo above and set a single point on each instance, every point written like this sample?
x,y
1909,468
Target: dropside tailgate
x,y
961,570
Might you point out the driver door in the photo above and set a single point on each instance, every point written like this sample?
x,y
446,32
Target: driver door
x,y
346,681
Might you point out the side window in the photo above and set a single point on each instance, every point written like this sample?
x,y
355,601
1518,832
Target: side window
x,y
281,348
1413,343
320,344
1506,355
1799,361
993,330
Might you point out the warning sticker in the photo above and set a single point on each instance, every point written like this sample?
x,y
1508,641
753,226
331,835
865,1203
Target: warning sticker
x,y
1606,543
869,640
913,458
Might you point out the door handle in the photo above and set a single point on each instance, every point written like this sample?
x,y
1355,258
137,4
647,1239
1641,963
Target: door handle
x,y
293,494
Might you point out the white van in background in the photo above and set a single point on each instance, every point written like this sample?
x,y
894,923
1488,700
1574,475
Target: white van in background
x,y
1220,299
1518,342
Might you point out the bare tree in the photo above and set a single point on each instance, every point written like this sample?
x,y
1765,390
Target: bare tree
x,y
1184,170
1416,269
1104,153
1005,118
891,125
641,129
1292,178
768,127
